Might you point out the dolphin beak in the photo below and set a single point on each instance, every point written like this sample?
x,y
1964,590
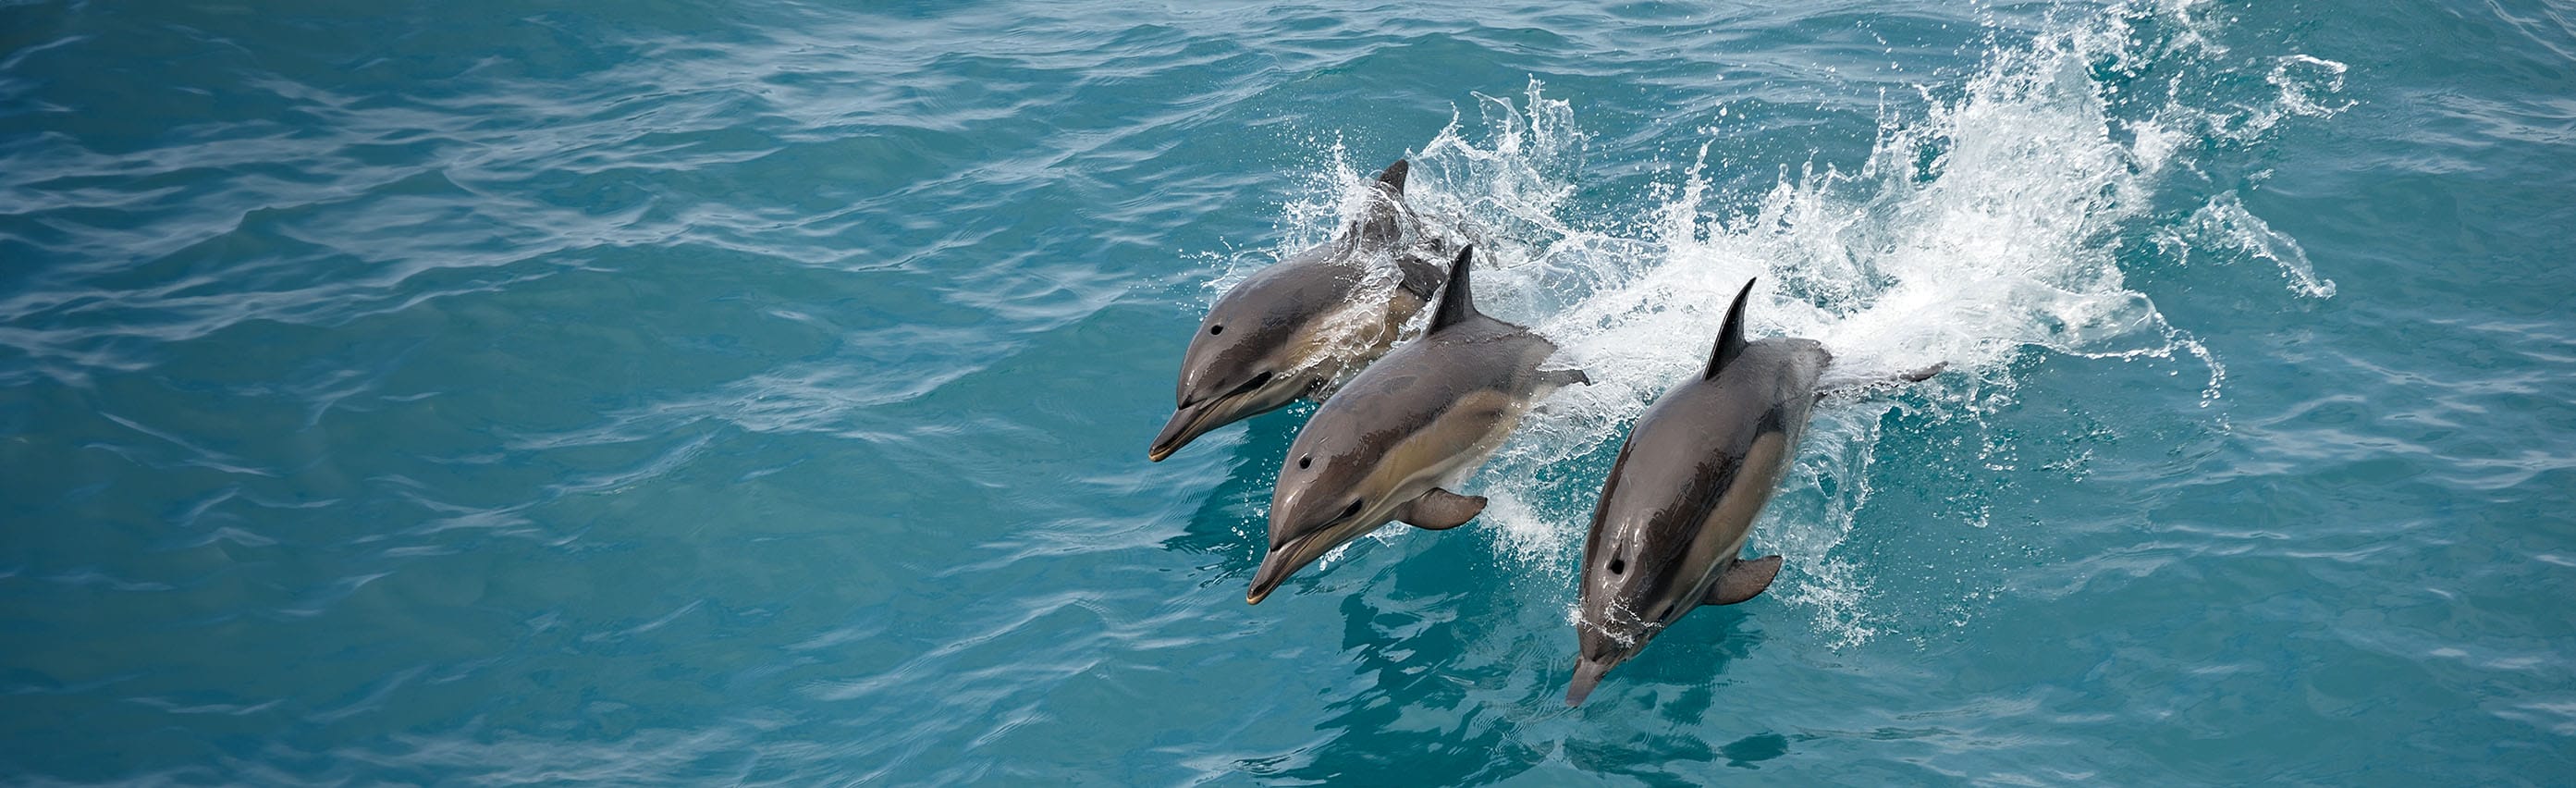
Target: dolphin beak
x,y
1587,674
1183,428
1281,562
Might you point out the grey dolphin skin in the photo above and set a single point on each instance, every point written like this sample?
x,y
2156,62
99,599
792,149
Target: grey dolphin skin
x,y
1424,416
1680,501
1296,325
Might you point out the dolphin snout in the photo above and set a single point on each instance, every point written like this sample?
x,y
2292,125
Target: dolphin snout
x,y
1283,561
1185,426
1275,569
1587,674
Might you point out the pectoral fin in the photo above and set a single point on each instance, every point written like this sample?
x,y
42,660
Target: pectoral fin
x,y
1744,580
1441,510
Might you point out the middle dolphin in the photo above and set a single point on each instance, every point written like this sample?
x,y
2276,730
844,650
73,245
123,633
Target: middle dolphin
x,y
1681,498
1424,416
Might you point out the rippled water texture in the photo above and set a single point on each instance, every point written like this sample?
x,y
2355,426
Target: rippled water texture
x,y
658,393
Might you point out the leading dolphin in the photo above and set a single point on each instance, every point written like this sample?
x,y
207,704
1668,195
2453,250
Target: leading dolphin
x,y
1681,498
1296,325
1423,417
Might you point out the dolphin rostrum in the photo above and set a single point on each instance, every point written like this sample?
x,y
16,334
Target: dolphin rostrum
x,y
1423,417
1680,500
1295,326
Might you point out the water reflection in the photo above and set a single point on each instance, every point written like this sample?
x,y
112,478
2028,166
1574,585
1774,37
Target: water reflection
x,y
1417,637
1680,681
1745,752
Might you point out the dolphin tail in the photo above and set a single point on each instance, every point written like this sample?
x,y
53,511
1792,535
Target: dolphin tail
x,y
1901,378
1920,375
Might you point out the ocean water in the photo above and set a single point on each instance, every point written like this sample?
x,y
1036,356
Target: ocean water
x,y
758,393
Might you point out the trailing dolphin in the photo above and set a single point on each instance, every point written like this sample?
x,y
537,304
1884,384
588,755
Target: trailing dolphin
x,y
1681,499
1300,323
1420,419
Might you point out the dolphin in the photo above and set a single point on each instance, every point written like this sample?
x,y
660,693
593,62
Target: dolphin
x,y
1680,501
1298,324
1419,420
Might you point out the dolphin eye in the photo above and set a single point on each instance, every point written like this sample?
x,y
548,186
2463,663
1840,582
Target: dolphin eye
x,y
1215,330
1354,509
1618,565
1664,614
1305,462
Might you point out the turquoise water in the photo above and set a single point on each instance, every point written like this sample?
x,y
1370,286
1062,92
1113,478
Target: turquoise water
x,y
655,393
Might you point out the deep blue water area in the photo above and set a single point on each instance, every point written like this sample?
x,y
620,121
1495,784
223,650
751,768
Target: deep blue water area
x,y
758,393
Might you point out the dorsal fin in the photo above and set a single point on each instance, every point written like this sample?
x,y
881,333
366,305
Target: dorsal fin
x,y
1382,221
1730,340
1394,174
1457,302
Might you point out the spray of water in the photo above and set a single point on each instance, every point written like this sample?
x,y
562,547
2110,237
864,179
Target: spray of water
x,y
1986,230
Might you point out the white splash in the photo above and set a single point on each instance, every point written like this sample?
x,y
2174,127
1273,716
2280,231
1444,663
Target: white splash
x,y
1985,231
2224,226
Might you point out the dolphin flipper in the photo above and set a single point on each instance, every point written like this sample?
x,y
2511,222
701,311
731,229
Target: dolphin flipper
x,y
1422,273
1441,510
1745,580
1560,378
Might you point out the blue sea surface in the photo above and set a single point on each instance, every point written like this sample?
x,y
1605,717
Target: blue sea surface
x,y
758,393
